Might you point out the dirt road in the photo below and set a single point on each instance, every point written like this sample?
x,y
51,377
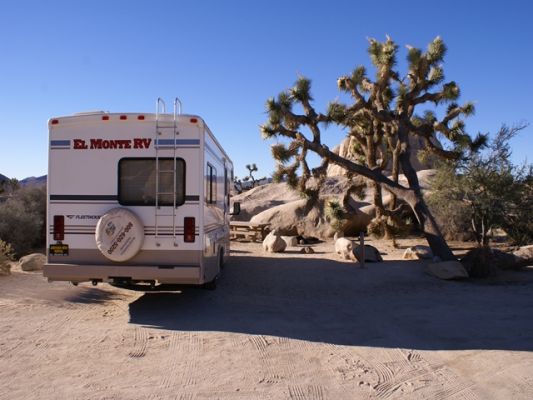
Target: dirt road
x,y
286,327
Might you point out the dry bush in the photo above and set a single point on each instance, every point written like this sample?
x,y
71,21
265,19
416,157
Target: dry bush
x,y
23,219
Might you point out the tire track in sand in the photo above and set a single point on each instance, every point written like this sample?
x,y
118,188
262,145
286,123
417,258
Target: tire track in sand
x,y
313,392
174,351
140,342
412,373
193,346
277,365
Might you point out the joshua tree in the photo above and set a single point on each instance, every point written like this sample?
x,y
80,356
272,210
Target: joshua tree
x,y
381,119
251,168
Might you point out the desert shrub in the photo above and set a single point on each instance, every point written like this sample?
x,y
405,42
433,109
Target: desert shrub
x,y
484,191
517,221
7,253
23,219
447,204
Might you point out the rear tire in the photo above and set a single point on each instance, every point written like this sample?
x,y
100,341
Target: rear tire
x,y
212,285
221,264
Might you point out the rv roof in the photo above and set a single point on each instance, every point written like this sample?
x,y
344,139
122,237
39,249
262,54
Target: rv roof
x,y
95,112
93,116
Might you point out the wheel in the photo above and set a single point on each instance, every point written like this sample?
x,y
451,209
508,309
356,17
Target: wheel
x,y
221,264
212,285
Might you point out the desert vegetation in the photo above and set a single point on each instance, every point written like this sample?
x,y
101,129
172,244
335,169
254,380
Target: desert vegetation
x,y
483,191
22,221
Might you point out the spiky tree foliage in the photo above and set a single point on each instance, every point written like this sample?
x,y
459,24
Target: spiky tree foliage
x,y
336,214
384,114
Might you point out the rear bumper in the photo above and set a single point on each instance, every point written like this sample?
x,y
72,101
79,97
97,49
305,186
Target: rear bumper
x,y
107,273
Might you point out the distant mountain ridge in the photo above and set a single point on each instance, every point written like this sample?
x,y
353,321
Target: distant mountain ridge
x,y
30,181
34,181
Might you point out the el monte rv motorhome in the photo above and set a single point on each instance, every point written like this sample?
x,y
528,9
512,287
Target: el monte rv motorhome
x,y
135,198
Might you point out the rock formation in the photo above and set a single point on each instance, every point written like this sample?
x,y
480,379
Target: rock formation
x,y
283,208
32,262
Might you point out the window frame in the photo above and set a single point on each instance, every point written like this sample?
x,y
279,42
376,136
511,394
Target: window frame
x,y
179,201
211,185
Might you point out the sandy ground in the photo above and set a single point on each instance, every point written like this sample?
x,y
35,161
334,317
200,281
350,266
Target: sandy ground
x,y
290,326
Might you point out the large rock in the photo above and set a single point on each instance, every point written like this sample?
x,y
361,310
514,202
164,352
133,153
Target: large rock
x,y
292,241
344,249
32,262
296,218
273,243
447,270
371,253
418,252
278,205
262,198
524,255
482,262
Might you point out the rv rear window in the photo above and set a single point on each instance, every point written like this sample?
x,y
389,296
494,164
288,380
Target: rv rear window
x,y
137,181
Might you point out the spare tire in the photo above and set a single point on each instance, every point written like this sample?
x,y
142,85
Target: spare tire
x,y
119,234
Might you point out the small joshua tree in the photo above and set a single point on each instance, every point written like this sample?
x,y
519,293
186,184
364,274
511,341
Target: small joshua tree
x,y
251,168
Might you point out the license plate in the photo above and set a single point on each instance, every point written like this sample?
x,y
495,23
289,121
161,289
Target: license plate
x,y
58,250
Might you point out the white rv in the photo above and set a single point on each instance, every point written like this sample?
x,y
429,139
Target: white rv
x,y
137,198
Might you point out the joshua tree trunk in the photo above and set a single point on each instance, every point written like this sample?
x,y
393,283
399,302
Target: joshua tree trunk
x,y
416,201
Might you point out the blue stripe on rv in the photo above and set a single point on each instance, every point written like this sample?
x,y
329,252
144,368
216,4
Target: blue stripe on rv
x,y
60,143
177,142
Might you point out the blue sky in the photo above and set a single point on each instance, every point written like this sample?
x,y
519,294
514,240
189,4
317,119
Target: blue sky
x,y
223,59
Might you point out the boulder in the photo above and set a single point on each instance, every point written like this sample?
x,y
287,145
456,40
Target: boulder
x,y
273,243
418,252
524,255
32,262
264,197
344,248
307,250
371,253
482,262
296,218
5,268
291,241
447,270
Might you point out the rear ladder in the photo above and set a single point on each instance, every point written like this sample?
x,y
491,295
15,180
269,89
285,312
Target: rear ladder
x,y
164,129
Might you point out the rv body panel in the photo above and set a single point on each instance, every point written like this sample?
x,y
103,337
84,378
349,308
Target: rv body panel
x,y
155,168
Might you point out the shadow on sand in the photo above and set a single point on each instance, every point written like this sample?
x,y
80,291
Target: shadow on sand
x,y
389,304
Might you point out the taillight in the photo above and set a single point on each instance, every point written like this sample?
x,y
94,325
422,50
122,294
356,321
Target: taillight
x,y
59,227
190,227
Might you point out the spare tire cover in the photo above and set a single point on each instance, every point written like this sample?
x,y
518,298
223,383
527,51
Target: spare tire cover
x,y
119,234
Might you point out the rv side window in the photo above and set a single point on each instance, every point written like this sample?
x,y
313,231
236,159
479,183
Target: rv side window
x,y
211,185
137,181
